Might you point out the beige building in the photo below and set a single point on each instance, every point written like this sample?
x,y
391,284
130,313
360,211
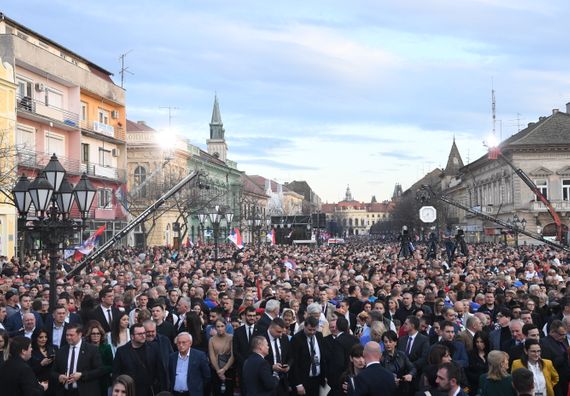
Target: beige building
x,y
355,217
542,151
153,168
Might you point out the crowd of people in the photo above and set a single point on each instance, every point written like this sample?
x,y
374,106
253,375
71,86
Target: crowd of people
x,y
352,319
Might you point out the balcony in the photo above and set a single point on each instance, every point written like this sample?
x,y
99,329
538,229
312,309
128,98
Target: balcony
x,y
39,111
106,172
558,205
98,127
38,160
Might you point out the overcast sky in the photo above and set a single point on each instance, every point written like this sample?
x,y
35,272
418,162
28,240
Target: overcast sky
x,y
365,93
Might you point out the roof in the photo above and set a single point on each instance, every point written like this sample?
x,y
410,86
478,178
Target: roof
x,y
260,181
48,40
369,207
138,126
216,117
552,130
432,179
249,186
454,161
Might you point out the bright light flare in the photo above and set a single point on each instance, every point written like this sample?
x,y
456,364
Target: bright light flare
x,y
492,141
166,139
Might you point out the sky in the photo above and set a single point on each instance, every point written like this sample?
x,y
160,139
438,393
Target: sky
x,y
360,93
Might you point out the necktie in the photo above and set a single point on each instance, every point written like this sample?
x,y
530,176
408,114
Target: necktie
x,y
277,353
409,346
71,362
109,317
249,333
313,353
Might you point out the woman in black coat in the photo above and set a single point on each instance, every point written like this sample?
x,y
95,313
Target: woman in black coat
x,y
43,354
397,362
478,360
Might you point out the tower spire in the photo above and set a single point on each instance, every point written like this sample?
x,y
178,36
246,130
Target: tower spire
x,y
217,143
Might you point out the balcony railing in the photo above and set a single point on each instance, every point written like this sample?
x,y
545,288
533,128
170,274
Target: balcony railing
x,y
558,205
99,127
38,160
27,104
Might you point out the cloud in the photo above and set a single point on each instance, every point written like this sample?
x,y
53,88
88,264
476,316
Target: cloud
x,y
400,156
275,164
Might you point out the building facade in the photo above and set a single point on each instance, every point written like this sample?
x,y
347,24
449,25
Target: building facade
x,y
542,152
52,86
352,217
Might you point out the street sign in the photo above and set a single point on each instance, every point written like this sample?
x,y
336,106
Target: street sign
x,y
428,214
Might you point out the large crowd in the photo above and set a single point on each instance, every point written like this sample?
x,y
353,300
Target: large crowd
x,y
354,319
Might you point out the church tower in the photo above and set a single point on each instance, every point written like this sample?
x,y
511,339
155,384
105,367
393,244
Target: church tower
x,y
454,161
348,195
217,143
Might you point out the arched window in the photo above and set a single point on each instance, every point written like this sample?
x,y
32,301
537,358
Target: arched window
x,y
140,178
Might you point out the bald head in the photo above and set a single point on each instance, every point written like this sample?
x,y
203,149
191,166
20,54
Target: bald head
x,y
372,352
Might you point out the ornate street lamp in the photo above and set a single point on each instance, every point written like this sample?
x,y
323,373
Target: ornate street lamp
x,y
215,219
52,196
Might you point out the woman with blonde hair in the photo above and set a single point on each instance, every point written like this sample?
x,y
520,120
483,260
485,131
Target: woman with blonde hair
x,y
497,381
545,375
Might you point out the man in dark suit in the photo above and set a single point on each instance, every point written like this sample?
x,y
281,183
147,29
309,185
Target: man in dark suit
x,y
15,323
459,354
278,356
241,342
337,351
142,362
448,379
105,313
344,310
414,344
17,377
57,328
194,372
257,372
554,349
77,366
271,312
308,364
374,379
161,342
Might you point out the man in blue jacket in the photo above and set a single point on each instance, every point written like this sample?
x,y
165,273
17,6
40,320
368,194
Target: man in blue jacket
x,y
189,371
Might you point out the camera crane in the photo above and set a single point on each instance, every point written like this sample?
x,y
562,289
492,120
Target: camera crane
x,y
425,194
136,221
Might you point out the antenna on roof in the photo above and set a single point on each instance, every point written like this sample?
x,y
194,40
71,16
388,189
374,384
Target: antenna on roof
x,y
493,106
170,108
123,68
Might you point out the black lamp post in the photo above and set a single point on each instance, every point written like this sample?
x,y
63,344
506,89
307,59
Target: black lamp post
x,y
202,217
52,196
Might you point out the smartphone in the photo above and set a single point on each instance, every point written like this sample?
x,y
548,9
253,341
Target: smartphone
x,y
285,366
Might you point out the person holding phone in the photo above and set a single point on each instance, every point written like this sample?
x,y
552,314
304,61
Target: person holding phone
x,y
43,354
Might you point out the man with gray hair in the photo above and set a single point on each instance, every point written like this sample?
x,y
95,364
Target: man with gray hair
x,y
188,368
271,312
473,325
314,310
374,379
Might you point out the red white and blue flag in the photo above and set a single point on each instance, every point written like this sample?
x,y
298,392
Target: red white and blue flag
x,y
86,247
271,236
235,237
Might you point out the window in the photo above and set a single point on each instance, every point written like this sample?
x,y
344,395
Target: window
x,y
566,190
542,185
55,143
84,153
26,138
103,116
105,198
140,178
24,87
54,98
104,157
83,111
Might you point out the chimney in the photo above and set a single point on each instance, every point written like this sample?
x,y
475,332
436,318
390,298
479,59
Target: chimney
x,y
141,122
568,108
554,111
530,124
542,118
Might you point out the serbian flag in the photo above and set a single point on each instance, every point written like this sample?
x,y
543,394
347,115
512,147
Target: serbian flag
x,y
235,237
89,244
189,243
271,236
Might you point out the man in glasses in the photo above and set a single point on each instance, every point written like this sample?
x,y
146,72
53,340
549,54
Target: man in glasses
x,y
242,341
142,362
555,349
